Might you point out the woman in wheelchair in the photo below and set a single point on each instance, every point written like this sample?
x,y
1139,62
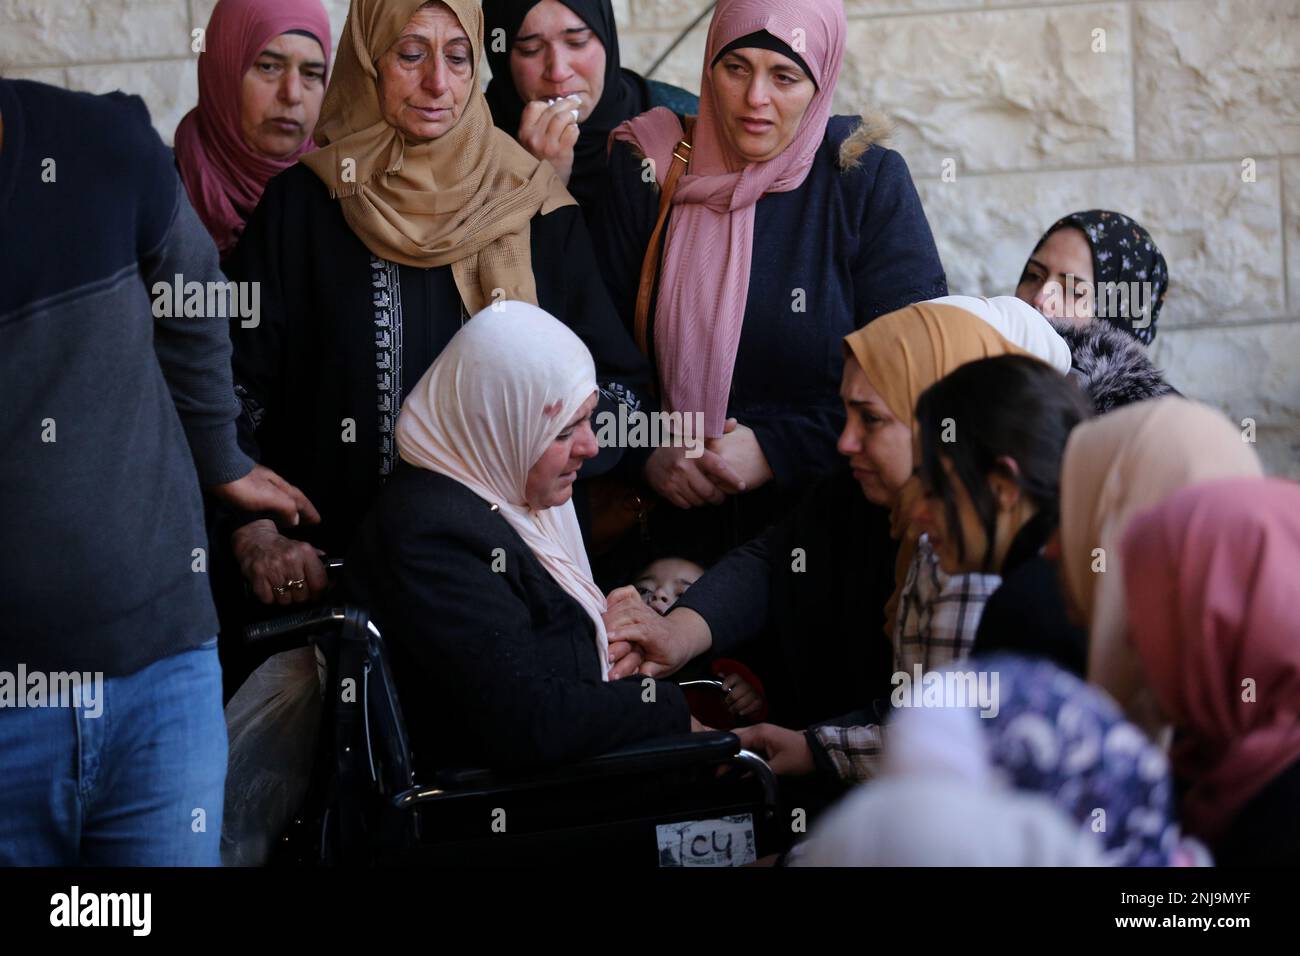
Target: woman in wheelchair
x,y
473,564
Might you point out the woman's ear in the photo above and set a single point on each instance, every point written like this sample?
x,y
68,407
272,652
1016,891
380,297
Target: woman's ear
x,y
1004,481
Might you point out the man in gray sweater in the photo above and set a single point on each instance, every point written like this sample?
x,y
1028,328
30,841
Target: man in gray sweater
x,y
114,412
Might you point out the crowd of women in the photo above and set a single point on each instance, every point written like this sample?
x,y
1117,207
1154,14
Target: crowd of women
x,y
459,280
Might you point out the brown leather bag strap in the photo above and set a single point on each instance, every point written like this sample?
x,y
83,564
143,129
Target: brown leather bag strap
x,y
650,264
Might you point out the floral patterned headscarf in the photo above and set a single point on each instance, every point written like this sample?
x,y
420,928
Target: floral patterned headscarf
x,y
1122,251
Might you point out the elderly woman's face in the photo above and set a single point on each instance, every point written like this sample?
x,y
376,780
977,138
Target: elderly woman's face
x,y
550,480
280,95
1044,283
556,54
761,98
877,445
426,76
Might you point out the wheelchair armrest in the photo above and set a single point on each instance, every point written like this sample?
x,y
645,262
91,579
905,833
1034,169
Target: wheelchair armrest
x,y
649,756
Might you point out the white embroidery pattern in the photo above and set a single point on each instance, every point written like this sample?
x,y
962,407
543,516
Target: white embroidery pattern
x,y
386,296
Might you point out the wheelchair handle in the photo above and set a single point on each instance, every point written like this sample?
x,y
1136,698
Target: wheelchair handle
x,y
292,623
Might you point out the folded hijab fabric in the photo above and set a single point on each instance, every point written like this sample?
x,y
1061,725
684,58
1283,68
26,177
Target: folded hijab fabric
x,y
624,96
501,391
933,821
1019,323
1059,738
223,175
465,199
905,352
704,281
1211,596
1114,467
1122,251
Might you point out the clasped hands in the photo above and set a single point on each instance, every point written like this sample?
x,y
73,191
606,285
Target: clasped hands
x,y
728,465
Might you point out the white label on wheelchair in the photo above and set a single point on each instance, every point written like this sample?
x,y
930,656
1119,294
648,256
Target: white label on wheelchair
x,y
725,841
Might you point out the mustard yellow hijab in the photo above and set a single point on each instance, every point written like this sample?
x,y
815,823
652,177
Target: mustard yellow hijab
x,y
903,353
466,199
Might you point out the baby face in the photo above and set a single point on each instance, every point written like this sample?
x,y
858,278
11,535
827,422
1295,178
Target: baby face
x,y
662,582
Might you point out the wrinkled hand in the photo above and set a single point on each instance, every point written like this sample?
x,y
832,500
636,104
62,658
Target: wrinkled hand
x,y
663,643
739,448
693,482
267,560
263,490
551,132
786,751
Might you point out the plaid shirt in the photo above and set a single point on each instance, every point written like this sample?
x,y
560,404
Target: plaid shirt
x,y
937,619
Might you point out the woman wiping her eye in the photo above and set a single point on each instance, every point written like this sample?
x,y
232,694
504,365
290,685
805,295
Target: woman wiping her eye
x,y
557,86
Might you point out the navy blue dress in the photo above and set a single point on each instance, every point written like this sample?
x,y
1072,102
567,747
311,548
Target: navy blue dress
x,y
855,241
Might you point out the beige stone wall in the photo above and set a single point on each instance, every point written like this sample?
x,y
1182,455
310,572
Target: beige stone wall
x,y
1035,121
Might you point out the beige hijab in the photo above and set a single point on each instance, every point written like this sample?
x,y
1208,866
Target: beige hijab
x,y
466,199
905,352
1114,467
485,411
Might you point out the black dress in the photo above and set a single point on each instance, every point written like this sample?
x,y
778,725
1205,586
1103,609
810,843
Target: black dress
x,y
1266,831
343,336
1027,613
494,668
850,244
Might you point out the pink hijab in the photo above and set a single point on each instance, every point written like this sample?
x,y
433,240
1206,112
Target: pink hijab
x,y
1211,576
223,175
710,241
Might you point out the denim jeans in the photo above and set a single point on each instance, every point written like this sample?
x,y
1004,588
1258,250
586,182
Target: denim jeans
x,y
141,783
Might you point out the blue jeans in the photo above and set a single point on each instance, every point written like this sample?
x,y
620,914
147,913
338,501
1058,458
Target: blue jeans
x,y
142,783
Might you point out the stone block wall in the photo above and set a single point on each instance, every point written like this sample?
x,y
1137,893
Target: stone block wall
x,y
1185,114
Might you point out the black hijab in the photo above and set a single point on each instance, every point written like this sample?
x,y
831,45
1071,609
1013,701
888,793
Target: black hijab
x,y
625,94
1122,251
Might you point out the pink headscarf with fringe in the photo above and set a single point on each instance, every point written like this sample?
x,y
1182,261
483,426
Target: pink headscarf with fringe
x,y
223,175
1211,575
709,248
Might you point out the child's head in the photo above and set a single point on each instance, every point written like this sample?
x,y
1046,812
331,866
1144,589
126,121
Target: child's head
x,y
660,583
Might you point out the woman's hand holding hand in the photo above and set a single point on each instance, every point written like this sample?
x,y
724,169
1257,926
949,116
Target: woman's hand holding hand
x,y
280,570
739,448
551,132
663,644
624,658
786,751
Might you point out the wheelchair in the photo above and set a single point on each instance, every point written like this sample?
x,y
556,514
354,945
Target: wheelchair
x,y
687,800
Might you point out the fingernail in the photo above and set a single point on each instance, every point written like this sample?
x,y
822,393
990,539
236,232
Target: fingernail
x,y
575,113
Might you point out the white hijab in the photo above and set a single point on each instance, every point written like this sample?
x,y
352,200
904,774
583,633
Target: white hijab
x,y
946,821
1019,323
501,391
